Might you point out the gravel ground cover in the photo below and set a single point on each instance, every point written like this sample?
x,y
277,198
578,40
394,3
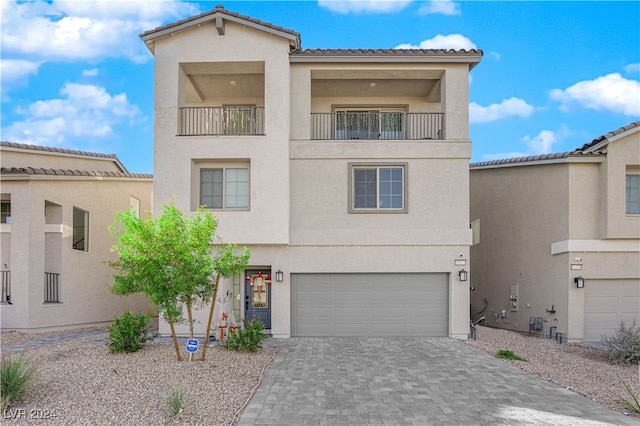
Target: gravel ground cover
x,y
582,368
79,382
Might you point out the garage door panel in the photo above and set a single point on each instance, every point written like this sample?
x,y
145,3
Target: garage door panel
x,y
370,305
607,303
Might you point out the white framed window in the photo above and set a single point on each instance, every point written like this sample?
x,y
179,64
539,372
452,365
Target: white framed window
x,y
80,238
224,188
377,188
5,211
633,193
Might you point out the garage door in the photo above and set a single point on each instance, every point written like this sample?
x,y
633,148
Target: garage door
x,y
369,305
607,303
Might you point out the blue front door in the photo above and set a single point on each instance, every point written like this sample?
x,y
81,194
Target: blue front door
x,y
257,296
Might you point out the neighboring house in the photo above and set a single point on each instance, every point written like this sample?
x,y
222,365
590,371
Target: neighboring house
x,y
559,239
345,171
56,208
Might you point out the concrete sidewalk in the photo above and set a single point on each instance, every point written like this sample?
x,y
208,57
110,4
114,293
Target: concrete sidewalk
x,y
410,381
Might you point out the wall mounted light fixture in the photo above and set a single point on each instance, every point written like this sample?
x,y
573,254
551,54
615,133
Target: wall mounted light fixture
x,y
579,282
279,276
462,275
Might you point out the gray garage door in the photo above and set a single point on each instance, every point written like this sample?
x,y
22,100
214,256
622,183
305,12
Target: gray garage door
x,y
369,305
606,304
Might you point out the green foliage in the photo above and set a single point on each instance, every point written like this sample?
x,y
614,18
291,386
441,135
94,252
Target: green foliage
x,y
508,354
129,332
175,399
624,347
168,259
632,404
247,339
227,261
16,372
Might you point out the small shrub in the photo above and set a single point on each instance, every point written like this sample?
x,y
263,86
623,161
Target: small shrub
x,y
507,354
128,333
624,347
16,373
247,339
176,397
632,404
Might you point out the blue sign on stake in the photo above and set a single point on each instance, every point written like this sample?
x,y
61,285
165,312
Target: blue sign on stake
x,y
192,345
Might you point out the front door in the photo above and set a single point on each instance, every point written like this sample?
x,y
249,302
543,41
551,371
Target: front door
x,y
257,296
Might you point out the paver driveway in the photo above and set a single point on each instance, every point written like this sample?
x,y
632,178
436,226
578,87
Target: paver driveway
x,y
410,381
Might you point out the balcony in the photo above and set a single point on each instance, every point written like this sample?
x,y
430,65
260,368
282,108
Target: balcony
x,y
376,125
221,120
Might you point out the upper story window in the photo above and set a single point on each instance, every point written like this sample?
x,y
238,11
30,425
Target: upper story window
x,y
224,188
5,211
378,188
633,193
80,238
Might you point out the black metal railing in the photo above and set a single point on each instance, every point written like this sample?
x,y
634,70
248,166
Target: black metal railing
x,y
51,287
6,286
220,120
374,125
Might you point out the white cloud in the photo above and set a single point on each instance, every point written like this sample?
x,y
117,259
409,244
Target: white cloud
x,y
542,143
512,107
443,7
13,70
364,6
450,41
611,92
632,68
80,30
84,111
495,55
90,73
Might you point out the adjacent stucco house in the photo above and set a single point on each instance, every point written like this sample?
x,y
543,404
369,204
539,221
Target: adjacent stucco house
x,y
345,171
56,208
558,239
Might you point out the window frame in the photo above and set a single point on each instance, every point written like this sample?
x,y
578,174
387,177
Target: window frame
x,y
377,166
627,188
85,227
5,212
224,169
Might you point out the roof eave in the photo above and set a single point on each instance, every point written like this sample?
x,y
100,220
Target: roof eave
x,y
472,60
571,159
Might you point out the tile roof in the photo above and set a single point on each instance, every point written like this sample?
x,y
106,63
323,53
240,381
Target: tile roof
x,y
60,150
600,139
219,9
591,149
68,172
393,52
533,159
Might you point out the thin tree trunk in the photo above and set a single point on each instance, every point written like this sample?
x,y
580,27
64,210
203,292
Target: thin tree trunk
x,y
175,340
190,318
213,304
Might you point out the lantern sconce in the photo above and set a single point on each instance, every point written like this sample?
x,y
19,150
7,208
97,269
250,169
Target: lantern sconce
x,y
462,275
279,276
579,282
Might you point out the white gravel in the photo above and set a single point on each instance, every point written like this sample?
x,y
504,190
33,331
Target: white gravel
x,y
582,368
79,382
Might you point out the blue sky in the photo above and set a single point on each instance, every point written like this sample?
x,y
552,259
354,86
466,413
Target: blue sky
x,y
554,75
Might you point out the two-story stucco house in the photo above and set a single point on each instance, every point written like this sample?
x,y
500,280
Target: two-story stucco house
x,y
346,173
558,245
56,208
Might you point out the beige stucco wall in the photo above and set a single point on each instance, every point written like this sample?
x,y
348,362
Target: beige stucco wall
x,y
522,211
298,219
37,248
542,225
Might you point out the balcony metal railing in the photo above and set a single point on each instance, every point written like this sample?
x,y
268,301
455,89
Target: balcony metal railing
x,y
221,120
51,287
377,125
6,286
